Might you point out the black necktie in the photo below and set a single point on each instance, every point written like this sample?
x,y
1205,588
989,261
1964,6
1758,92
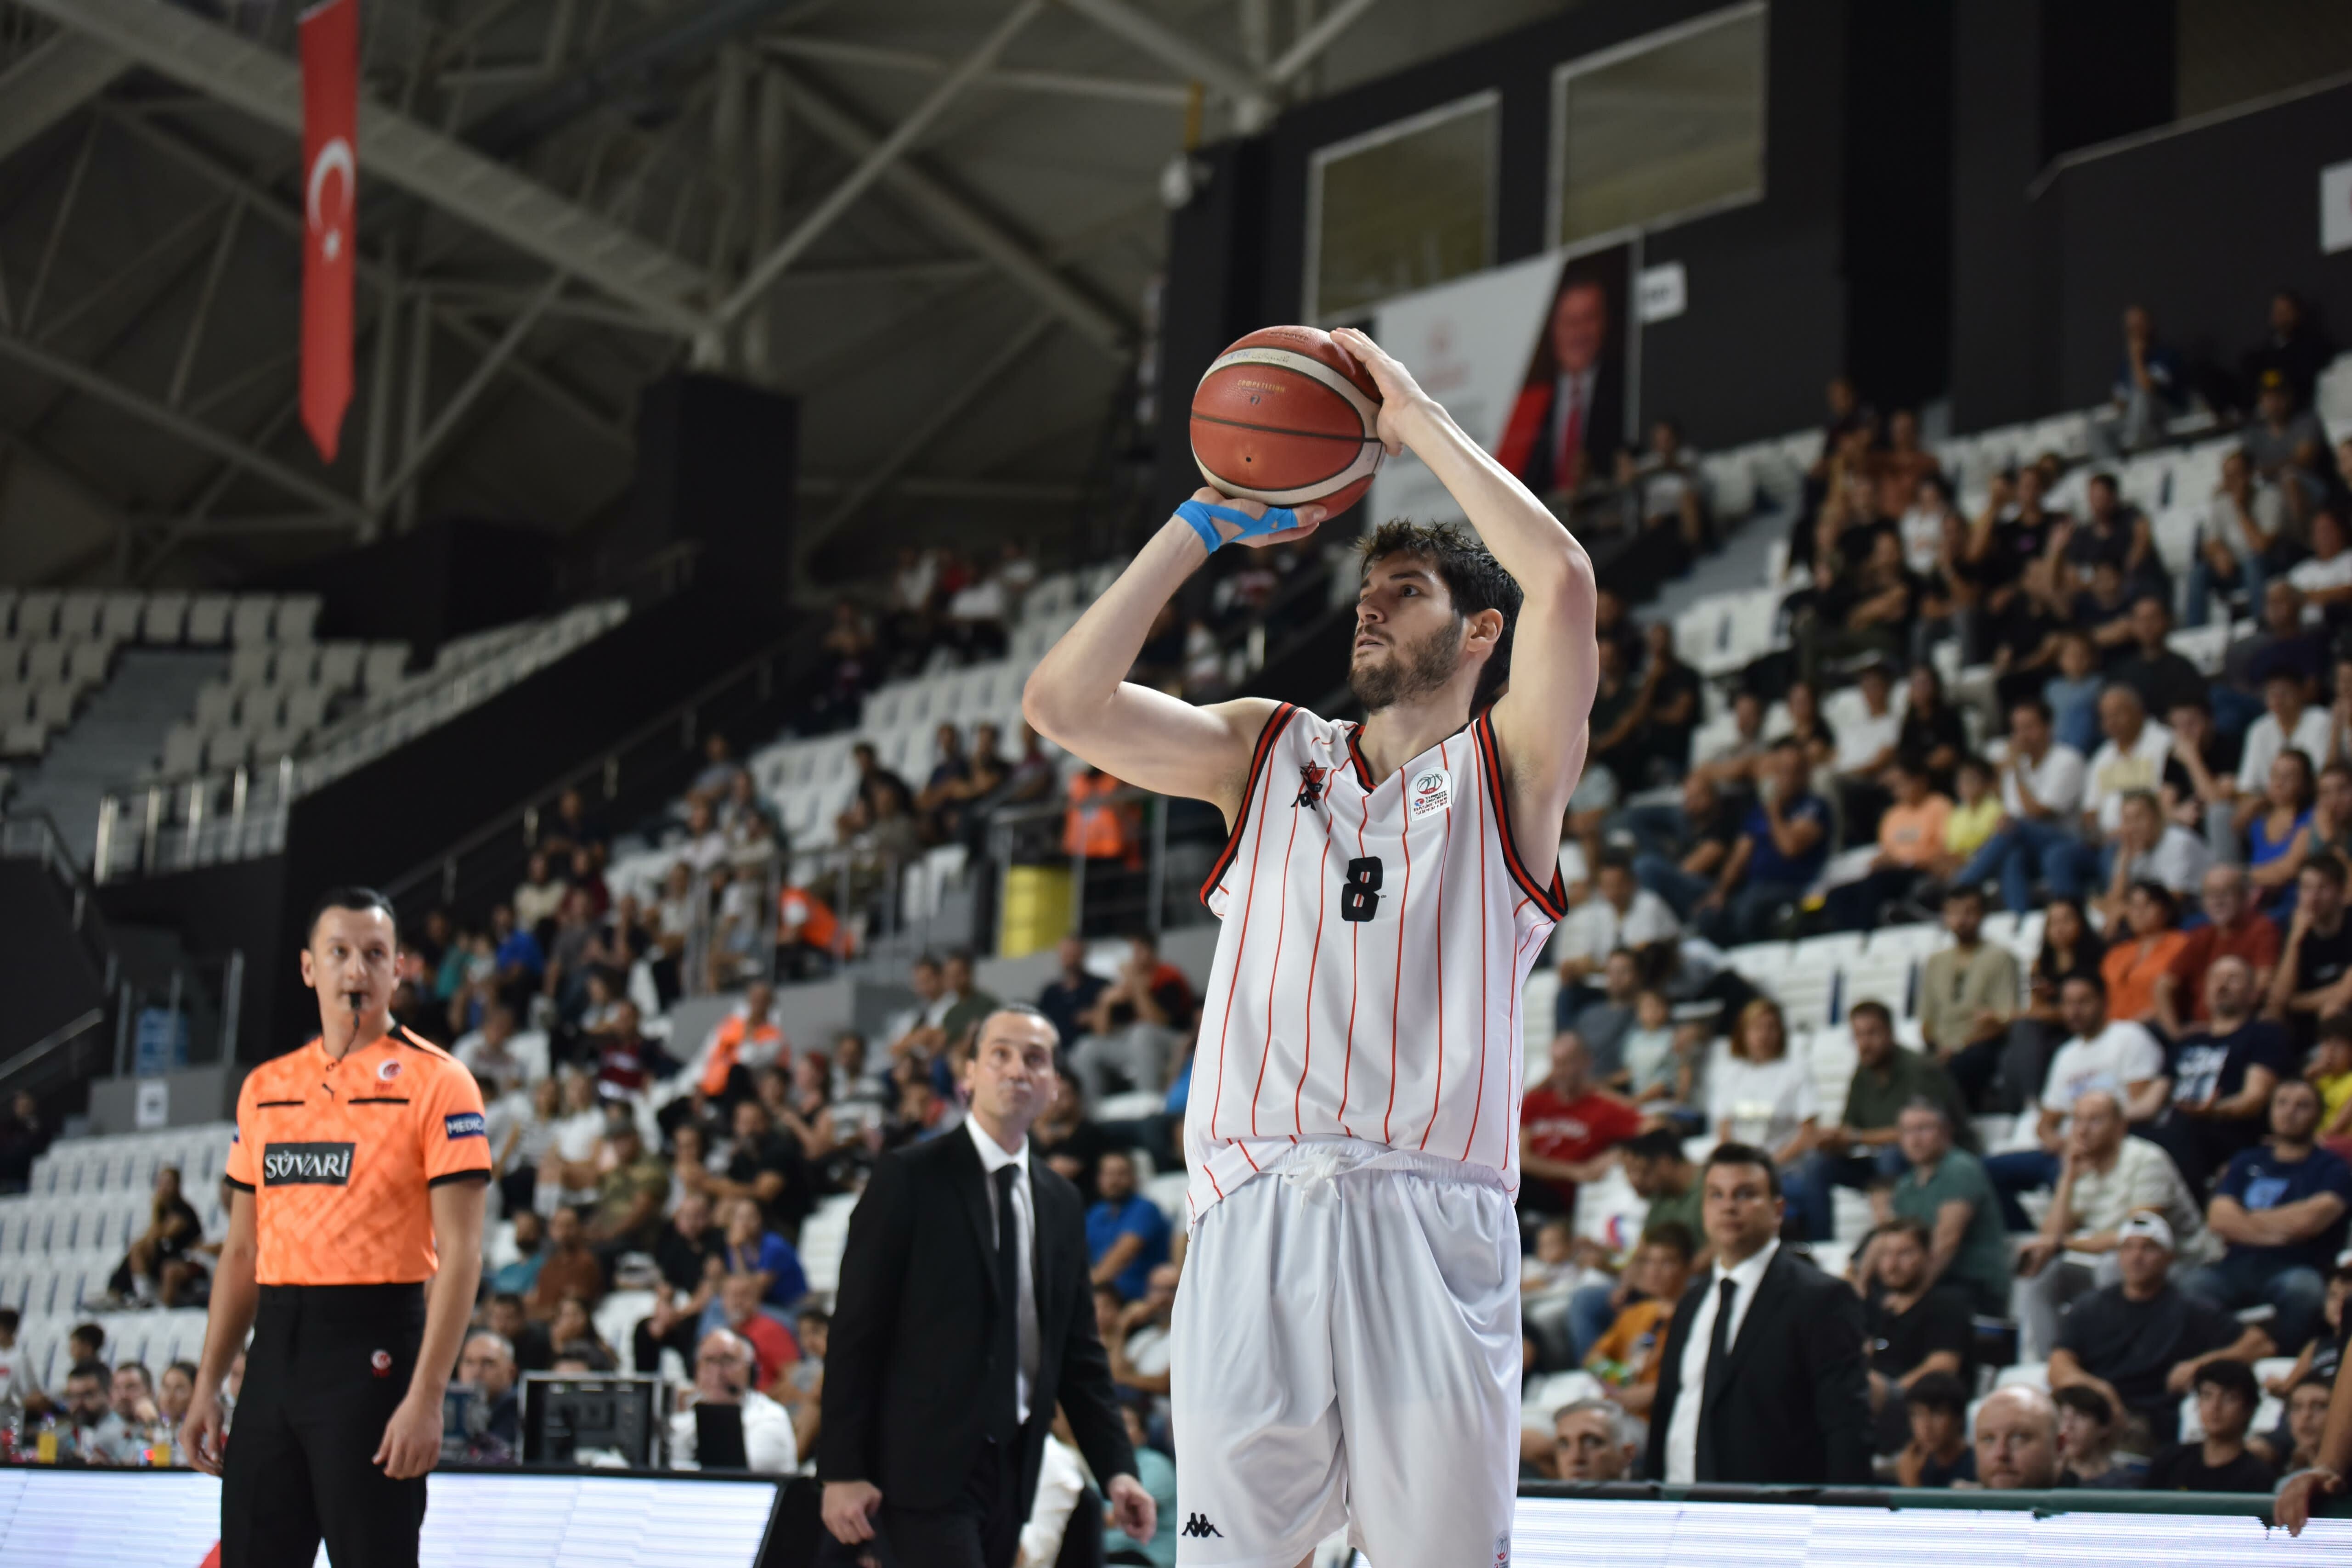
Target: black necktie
x,y
1005,1395
1718,1343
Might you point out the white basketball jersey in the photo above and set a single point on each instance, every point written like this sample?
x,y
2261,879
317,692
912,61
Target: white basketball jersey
x,y
1378,933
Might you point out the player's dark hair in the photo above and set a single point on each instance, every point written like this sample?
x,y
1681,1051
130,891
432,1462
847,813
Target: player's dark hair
x,y
1938,1391
1474,579
359,898
92,1334
1744,1155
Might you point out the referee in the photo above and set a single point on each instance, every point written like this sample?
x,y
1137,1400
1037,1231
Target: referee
x,y
353,1158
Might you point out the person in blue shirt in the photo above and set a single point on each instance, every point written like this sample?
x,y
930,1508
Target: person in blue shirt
x,y
1070,995
2281,1209
1156,1471
1127,1236
1782,849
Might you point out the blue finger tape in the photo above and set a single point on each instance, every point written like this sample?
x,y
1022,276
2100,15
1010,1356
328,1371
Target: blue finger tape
x,y
1205,518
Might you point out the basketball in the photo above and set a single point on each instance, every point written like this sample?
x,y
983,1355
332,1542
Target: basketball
x,y
1281,417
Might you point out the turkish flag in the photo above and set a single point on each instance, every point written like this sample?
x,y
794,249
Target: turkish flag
x,y
331,102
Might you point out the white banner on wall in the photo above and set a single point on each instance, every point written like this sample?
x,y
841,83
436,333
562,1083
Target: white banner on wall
x,y
1537,361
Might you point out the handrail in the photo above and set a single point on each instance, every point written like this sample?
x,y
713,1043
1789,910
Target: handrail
x,y
678,717
54,855
63,1034
2075,158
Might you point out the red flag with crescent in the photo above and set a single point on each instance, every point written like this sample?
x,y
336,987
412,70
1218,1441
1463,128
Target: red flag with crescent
x,y
331,102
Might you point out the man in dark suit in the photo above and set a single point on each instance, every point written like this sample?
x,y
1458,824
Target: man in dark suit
x,y
965,1313
1763,1377
1574,401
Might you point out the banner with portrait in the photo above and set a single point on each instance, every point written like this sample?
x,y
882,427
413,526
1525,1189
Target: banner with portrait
x,y
1538,362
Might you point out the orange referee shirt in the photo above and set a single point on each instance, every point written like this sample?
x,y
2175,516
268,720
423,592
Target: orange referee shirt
x,y
339,1156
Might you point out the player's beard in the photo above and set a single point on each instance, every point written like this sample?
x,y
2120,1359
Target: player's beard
x,y
1412,670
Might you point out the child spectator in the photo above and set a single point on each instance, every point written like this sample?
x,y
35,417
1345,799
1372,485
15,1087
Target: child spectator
x,y
1974,816
1938,1453
2226,1399
2073,694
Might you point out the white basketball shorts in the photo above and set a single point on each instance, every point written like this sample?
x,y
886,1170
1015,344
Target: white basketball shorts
x,y
1347,1353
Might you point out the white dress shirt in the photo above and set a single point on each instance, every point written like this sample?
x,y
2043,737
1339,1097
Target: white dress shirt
x,y
1571,389
768,1443
1595,928
994,1158
2265,739
1682,1427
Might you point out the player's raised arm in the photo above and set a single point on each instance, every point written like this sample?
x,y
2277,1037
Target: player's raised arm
x,y
1078,698
1541,720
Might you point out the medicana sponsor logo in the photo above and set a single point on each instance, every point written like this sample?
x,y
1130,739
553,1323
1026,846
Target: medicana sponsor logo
x,y
464,1124
305,1164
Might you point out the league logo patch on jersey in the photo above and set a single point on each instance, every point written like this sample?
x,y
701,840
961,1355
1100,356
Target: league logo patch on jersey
x,y
1310,785
464,1124
386,1072
1431,791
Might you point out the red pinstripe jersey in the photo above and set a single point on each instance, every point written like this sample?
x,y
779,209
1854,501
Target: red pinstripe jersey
x,y
1377,934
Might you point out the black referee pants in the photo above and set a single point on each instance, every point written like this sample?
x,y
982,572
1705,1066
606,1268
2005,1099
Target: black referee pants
x,y
327,1366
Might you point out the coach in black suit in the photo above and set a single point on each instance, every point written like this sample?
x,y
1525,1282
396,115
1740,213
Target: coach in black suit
x,y
1763,1379
965,1313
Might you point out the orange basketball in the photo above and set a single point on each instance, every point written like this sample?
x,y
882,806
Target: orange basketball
x,y
1280,418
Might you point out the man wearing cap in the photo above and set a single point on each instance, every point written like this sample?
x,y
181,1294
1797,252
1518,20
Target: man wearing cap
x,y
2107,1178
2140,1341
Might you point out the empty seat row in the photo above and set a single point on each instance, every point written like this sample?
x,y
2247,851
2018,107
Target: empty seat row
x,y
332,666
166,619
39,661
128,1161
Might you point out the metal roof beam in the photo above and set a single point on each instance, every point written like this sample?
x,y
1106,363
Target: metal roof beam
x,y
63,73
876,162
463,182
172,422
1252,99
1070,84
958,218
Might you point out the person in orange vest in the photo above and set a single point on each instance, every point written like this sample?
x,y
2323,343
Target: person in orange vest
x,y
809,935
1108,835
741,1047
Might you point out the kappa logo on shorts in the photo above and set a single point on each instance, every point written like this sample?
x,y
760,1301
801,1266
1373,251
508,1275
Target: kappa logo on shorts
x,y
1198,1525
464,1124
305,1164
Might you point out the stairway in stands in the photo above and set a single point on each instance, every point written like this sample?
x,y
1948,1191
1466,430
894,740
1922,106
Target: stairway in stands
x,y
116,739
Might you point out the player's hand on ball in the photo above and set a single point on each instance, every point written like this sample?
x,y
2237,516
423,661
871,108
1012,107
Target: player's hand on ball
x,y
200,1431
848,1509
1309,517
1132,1507
1400,393
411,1439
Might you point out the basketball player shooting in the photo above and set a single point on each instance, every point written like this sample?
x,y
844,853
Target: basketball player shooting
x,y
1346,1334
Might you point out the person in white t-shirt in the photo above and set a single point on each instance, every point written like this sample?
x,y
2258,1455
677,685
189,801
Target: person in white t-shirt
x,y
2115,1056
2132,758
2291,722
1620,912
2041,782
19,1381
2327,578
1760,1096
